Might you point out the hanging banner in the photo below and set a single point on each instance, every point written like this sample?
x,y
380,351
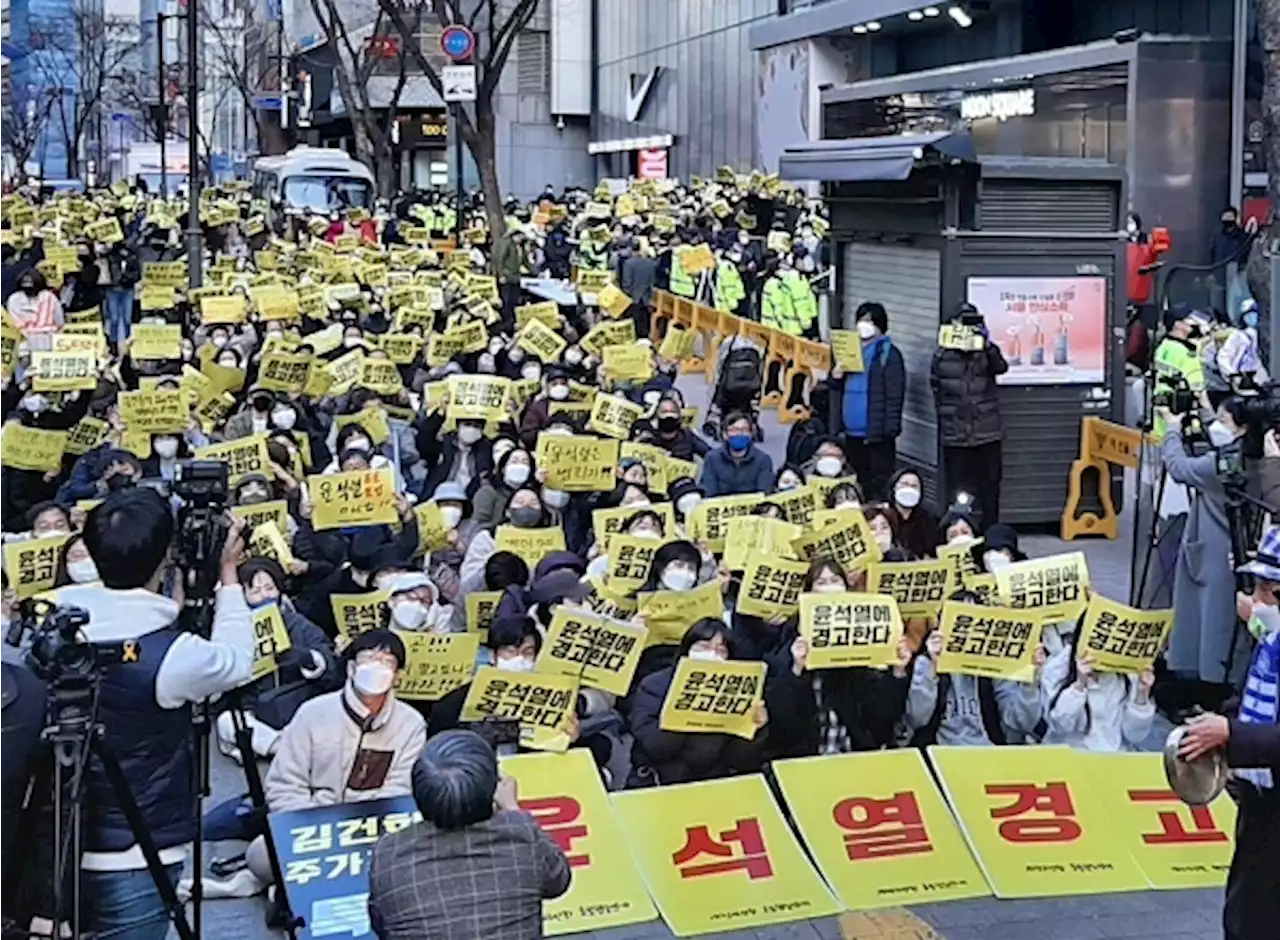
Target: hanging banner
x,y
850,629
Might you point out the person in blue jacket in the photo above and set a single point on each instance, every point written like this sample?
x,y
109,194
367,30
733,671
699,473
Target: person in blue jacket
x,y
866,406
737,466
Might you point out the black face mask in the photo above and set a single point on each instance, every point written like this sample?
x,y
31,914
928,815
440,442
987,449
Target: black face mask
x,y
668,424
119,481
1230,225
30,290
261,403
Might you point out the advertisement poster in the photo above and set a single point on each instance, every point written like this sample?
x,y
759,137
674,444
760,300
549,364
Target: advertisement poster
x,y
1052,330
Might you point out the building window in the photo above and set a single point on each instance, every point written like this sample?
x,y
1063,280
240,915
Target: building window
x,y
533,62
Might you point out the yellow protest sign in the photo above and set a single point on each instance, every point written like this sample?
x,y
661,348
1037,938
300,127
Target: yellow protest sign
x,y
256,514
850,629
380,375
437,664
630,558
997,642
282,372
709,522
919,587
614,416
266,541
477,397
156,341
156,297
32,564
547,312
433,534
961,337
164,273
222,378
878,829
606,523
482,606
599,652
540,702
710,696
771,586
608,333
757,534
677,343
243,456
401,348
373,419
846,349
846,537
613,301
10,337
540,340
668,615
359,613
1114,443
532,545
154,411
563,792
628,363
275,302
107,231
1119,638
270,638
225,309
1035,822
698,259
357,497
63,371
719,855
578,464
345,372
137,443
1054,587
1175,845
963,563
86,435
24,448
592,281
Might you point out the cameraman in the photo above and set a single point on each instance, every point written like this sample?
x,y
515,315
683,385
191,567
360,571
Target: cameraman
x,y
145,704
1204,587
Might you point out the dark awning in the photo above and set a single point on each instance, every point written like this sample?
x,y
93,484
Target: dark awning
x,y
863,159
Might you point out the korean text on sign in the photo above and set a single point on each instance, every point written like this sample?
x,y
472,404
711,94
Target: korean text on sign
x,y
437,664
986,641
603,653
1054,587
709,696
850,629
1119,638
845,538
32,565
359,613
578,463
358,497
919,587
771,586
541,703
709,523
630,558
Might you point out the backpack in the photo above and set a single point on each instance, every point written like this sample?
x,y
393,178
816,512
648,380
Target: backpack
x,y
740,377
802,440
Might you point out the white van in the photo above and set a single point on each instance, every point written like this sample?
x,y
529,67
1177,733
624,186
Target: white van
x,y
313,179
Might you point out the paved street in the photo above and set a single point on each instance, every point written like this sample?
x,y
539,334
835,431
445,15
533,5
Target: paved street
x,y
1178,915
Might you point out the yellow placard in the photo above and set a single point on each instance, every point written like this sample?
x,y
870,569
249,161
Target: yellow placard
x,y
155,411
540,340
698,259
31,448
256,514
137,443
759,534
156,297
977,640
433,534
227,309
547,312
357,497
282,372
592,281
10,337
86,435
846,537
156,341
222,378
275,302
719,856
717,697
709,522
1054,587
879,830
1035,822
266,541
372,418
599,652
850,629
437,664
32,565
542,703
613,301
608,333
380,375
919,587
270,638
482,607
846,349
613,416
963,563
478,397
606,523
64,371
401,348
1119,638
532,545
628,363
771,586
359,613
654,460
242,456
1175,845
668,615
563,792
960,337
106,231
344,372
1114,443
677,343
630,558
578,464
166,273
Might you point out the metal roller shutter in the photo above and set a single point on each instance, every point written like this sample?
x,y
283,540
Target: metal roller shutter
x,y
1046,206
907,280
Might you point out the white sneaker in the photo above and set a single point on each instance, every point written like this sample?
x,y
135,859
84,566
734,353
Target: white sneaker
x,y
243,884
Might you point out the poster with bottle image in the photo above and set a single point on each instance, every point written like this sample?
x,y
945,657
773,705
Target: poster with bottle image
x,y
1052,330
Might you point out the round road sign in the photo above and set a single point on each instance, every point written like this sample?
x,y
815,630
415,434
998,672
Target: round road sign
x,y
457,42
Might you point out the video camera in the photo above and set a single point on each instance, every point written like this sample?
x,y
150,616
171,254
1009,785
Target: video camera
x,y
59,653
202,486
1174,394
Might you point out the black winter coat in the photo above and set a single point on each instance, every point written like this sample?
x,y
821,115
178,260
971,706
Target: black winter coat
x,y
966,395
868,703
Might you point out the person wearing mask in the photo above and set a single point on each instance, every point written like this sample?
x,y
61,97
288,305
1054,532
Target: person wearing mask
x,y
685,497
777,303
1230,245
736,466
845,496
1000,548
47,519
75,564
679,757
788,478
476,866
959,525
512,645
166,451
464,456
1177,358
35,309
1238,358
415,605
669,433
917,526
444,563
515,469
883,525
508,264
537,415
524,511
866,406
253,419
828,462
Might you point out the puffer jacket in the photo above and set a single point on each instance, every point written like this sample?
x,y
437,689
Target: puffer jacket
x,y
966,395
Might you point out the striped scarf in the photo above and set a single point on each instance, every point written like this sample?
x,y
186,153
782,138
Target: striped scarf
x,y
1260,700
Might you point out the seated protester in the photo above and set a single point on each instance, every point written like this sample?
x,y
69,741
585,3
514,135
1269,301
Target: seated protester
x,y
415,604
537,414
507,573
917,526
75,564
676,566
737,466
350,746
685,498
1094,710
512,645
444,563
514,469
47,519
524,511
253,418
1000,548
667,757
643,523
354,437
833,711
845,496
166,451
789,478
667,430
828,461
307,669
463,456
883,524
960,709
959,525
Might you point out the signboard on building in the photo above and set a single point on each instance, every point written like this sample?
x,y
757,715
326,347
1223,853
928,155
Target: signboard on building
x,y
1052,330
651,164
429,128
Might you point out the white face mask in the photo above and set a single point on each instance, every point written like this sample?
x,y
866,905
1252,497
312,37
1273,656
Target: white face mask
x,y
228,363
556,499
373,678
959,539
218,341
573,356
1219,434
688,503
485,364
284,418
531,373
558,392
495,347
469,434
853,504
788,483
1264,621
866,329
35,403
829,466
82,572
166,447
350,341
706,656
515,664
907,497
450,516
409,614
516,356
993,561
884,540
360,443
516,474
829,588
678,579
646,533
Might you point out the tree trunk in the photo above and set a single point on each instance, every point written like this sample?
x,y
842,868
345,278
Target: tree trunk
x,y
483,144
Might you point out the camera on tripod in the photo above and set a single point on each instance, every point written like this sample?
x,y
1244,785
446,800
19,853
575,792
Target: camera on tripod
x,y
59,653
1174,394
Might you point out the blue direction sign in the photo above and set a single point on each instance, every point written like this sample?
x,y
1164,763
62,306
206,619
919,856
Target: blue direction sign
x,y
457,42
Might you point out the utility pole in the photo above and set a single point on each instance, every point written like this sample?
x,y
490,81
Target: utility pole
x,y
162,109
195,251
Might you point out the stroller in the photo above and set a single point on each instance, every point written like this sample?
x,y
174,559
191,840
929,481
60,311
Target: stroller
x,y
739,375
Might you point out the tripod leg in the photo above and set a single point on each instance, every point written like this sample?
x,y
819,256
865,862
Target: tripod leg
x,y
129,806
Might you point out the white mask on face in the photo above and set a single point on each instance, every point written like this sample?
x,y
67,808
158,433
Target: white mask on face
x,y
409,614
959,539
1264,621
469,434
350,341
373,678
851,504
516,356
556,499
706,656
678,579
687,503
531,373
516,474
884,540
558,392
515,664
35,403
495,347
646,533
829,466
218,341
993,561
829,588
908,497
166,448
284,418
866,329
1219,434
573,356
82,572
228,363
788,483
450,516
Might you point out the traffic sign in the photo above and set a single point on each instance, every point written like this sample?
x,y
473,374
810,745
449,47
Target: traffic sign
x,y
458,43
459,82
